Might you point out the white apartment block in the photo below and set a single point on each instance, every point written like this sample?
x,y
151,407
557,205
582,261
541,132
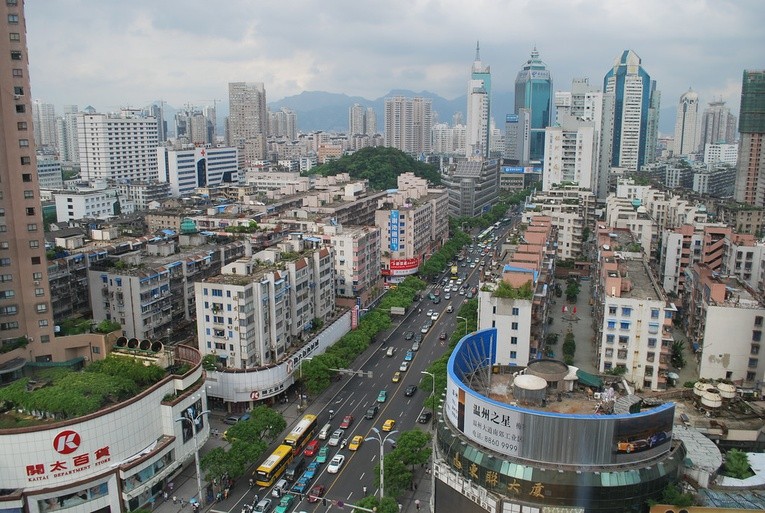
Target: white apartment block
x,y
745,260
49,174
449,140
623,213
258,308
720,154
201,166
570,209
98,202
264,181
115,147
570,155
357,262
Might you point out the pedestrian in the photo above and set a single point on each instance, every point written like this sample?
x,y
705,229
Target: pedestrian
x,y
415,486
170,485
417,504
175,499
164,496
183,502
400,506
364,489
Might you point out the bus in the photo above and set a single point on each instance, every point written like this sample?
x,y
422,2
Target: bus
x,y
486,233
274,466
301,434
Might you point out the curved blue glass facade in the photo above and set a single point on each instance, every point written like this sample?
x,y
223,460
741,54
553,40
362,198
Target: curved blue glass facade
x,y
533,91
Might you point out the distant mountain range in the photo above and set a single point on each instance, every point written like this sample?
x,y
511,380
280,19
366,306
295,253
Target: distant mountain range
x,y
320,110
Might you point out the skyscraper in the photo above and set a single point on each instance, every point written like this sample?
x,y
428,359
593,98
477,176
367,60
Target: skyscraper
x,y
750,169
44,115
25,311
478,108
517,128
408,122
533,91
636,111
248,120
687,124
66,134
718,125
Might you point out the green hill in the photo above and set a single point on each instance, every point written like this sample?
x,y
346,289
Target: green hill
x,y
381,166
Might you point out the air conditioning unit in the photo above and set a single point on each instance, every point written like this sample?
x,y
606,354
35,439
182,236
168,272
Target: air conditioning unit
x,y
37,283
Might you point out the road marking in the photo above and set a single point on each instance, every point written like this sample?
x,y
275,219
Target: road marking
x,y
362,476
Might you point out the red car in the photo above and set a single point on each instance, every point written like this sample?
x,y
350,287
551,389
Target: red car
x,y
316,493
347,421
312,448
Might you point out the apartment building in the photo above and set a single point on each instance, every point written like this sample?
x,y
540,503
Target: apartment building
x,y
687,245
633,216
93,201
356,251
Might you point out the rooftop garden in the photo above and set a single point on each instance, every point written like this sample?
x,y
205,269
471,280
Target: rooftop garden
x,y
59,394
507,291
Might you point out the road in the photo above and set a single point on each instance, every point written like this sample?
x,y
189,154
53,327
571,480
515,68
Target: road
x,y
359,393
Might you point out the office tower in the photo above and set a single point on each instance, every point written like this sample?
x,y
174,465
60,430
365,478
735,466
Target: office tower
x,y
517,132
44,115
26,318
66,134
687,124
533,91
718,125
248,120
636,105
478,108
408,123
750,169
117,146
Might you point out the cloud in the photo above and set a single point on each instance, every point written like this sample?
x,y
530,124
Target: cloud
x,y
109,54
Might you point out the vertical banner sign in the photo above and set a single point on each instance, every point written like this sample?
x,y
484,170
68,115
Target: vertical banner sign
x,y
394,230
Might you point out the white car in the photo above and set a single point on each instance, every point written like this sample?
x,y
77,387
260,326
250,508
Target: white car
x,y
430,313
434,316
334,440
263,506
404,366
447,296
335,464
282,485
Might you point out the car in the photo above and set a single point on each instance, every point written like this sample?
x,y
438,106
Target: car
x,y
311,448
437,292
231,420
431,296
382,396
442,336
336,437
424,417
434,317
371,412
286,504
472,266
449,309
463,264
416,346
301,485
388,425
409,356
447,296
335,464
408,335
429,313
410,390
437,300
429,323
311,470
459,281
356,442
404,366
281,486
469,295
316,493
396,377
418,338
323,455
391,351
262,506
424,329
462,292
347,421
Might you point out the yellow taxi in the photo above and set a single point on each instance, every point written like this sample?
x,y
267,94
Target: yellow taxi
x,y
356,442
396,377
389,425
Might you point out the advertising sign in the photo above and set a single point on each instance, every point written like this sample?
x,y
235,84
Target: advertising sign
x,y
394,230
403,266
513,170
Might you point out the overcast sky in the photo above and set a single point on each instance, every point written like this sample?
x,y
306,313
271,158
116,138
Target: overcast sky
x,y
112,53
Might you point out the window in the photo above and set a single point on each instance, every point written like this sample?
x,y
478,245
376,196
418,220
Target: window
x,y
26,177
4,326
611,324
6,278
42,323
18,72
612,309
5,262
624,325
752,363
651,342
217,292
13,19
39,292
21,126
21,108
15,36
758,320
23,143
516,310
514,326
25,161
653,328
15,55
610,338
626,311
755,349
756,335
9,310
609,352
654,313
34,243
29,194
35,260
30,211
6,294
41,307
513,355
624,339
37,276
514,340
622,354
31,227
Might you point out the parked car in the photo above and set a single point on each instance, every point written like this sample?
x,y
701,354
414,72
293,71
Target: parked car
x,y
335,464
410,390
347,421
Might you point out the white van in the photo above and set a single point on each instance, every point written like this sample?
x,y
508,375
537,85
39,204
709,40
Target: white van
x,y
325,431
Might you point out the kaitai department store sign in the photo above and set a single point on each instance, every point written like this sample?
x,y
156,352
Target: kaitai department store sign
x,y
70,460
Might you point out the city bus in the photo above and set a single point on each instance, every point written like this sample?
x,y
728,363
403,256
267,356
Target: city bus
x,y
270,470
486,233
301,434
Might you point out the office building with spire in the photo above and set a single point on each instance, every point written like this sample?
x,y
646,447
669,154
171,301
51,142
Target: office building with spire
x,y
478,108
534,92
750,169
636,112
687,124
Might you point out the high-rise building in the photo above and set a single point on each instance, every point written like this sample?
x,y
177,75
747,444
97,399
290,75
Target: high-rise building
x,y
25,314
361,120
283,123
66,134
636,111
478,108
750,169
718,125
687,124
534,92
117,147
44,115
408,122
517,133
248,120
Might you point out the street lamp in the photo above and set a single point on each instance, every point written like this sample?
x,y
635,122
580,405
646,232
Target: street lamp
x,y
196,448
378,437
433,390
462,318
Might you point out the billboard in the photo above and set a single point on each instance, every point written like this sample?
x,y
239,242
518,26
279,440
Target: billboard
x,y
513,169
394,230
403,267
536,434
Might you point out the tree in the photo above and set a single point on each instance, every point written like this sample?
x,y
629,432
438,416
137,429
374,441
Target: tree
x,y
413,447
572,290
386,505
737,464
569,345
674,496
551,339
678,358
264,424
